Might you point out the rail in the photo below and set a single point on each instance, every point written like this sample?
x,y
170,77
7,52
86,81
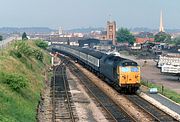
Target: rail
x,y
115,113
146,107
153,111
60,96
67,96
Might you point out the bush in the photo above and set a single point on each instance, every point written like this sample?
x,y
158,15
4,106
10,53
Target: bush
x,y
41,44
23,49
13,80
38,55
16,54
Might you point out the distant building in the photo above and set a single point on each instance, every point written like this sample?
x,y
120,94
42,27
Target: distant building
x,y
106,42
88,42
61,32
103,35
77,35
144,40
111,31
65,40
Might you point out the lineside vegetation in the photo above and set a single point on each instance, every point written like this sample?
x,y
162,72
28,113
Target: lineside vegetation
x,y
22,69
164,91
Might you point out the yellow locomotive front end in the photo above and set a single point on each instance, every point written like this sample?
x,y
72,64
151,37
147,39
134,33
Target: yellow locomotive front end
x,y
129,77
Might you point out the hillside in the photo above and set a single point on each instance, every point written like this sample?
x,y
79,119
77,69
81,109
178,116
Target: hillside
x,y
26,29
22,69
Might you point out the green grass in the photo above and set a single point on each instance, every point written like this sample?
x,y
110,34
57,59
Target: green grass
x,y
164,91
16,107
21,106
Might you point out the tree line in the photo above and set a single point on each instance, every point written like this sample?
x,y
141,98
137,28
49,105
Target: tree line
x,y
124,35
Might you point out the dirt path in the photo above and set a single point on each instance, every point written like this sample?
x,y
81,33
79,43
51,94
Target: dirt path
x,y
86,109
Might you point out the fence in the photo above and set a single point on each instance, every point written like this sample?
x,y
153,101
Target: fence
x,y
6,42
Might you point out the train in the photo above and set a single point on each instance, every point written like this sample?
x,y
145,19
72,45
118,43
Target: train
x,y
124,74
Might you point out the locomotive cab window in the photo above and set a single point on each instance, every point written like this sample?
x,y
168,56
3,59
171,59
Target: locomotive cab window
x,y
134,69
125,69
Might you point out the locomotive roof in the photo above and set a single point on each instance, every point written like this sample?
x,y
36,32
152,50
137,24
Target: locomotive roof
x,y
112,57
117,59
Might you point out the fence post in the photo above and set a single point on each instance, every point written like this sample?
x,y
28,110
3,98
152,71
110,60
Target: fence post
x,y
162,89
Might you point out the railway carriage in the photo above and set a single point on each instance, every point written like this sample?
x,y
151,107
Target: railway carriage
x,y
94,60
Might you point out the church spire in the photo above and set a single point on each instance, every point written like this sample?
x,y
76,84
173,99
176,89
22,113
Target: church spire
x,y
161,28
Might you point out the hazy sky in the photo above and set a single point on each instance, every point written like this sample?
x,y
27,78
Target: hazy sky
x,y
88,13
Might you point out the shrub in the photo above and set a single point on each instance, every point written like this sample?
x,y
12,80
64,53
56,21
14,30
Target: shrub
x,y
14,80
23,49
16,54
38,55
41,44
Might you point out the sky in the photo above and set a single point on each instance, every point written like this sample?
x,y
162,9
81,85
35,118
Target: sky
x,y
70,14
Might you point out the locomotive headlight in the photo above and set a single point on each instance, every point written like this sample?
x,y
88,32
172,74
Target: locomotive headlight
x,y
136,76
124,76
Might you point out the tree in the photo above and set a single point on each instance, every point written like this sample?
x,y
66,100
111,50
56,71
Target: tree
x,y
177,41
162,37
24,36
124,35
1,38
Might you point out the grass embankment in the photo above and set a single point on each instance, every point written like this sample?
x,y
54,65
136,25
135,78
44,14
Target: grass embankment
x,y
21,80
164,91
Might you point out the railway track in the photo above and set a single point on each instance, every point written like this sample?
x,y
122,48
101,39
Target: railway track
x,y
155,112
114,112
63,108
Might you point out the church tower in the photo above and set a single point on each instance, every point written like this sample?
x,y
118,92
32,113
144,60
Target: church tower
x,y
161,28
111,31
